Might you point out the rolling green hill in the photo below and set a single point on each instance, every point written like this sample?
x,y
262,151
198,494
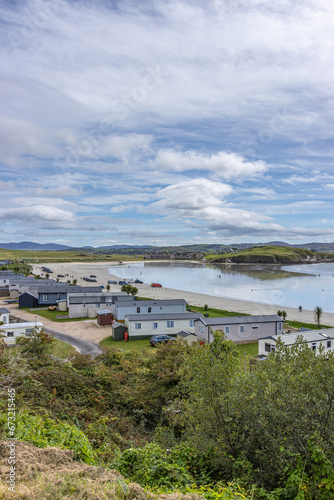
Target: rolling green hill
x,y
271,255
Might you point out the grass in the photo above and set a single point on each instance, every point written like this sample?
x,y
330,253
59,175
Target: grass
x,y
61,349
51,315
311,326
269,255
131,345
18,267
61,256
216,313
249,349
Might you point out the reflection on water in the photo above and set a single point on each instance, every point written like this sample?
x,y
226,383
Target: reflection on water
x,y
307,285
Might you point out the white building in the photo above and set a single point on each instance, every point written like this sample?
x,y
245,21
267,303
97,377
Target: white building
x,y
313,338
141,326
14,330
240,329
4,315
126,308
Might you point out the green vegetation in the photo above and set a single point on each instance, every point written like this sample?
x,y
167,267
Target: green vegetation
x,y
63,256
311,326
17,267
250,350
131,345
129,289
271,255
52,315
62,349
42,431
188,418
215,313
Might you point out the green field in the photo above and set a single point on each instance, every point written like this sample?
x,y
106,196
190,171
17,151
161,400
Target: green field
x,y
61,256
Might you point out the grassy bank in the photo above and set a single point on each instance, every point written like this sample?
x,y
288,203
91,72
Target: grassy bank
x,y
271,255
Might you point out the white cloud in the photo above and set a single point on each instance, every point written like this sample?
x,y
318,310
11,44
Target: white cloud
x,y
38,213
190,196
202,204
225,165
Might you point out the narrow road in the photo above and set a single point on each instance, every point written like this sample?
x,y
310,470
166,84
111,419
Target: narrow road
x,y
83,346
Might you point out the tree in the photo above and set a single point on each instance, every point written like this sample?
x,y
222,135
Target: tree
x,y
75,281
126,288
108,287
129,289
317,314
47,276
259,423
37,343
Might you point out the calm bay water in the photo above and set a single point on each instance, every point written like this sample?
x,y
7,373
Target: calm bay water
x,y
306,285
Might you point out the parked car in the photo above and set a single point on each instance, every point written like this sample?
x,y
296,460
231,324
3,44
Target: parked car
x,y
123,283
138,281
92,276
156,285
60,276
112,282
160,339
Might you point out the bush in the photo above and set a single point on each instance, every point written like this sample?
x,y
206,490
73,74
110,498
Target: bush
x,y
42,431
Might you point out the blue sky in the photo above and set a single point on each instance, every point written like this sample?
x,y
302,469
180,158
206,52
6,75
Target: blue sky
x,y
167,122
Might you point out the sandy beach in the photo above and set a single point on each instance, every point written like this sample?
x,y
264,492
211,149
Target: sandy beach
x,y
77,271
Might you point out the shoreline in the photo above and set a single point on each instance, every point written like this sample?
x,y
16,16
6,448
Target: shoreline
x,y
76,270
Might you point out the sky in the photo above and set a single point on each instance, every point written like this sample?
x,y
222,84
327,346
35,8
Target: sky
x,y
166,122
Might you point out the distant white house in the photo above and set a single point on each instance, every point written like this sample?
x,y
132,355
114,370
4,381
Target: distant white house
x,y
141,326
4,315
240,329
313,338
14,330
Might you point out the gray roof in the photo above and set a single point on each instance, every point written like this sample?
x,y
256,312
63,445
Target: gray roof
x,y
166,316
184,334
3,310
67,288
310,336
242,320
104,311
30,293
151,302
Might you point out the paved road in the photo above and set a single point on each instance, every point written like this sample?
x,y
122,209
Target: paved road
x,y
83,346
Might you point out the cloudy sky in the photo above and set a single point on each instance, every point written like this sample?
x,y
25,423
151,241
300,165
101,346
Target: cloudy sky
x,y
166,121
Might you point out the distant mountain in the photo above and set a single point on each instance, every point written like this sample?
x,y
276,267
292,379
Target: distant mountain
x,y
142,249
30,245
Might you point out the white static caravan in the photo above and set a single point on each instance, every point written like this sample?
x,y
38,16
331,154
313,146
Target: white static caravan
x,y
141,326
313,338
14,330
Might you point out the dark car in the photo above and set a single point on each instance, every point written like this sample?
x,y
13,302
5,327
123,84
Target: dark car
x,y
138,281
123,283
60,276
112,282
160,339
92,276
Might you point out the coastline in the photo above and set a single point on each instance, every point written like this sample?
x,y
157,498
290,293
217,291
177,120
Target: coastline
x,y
76,270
